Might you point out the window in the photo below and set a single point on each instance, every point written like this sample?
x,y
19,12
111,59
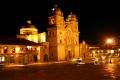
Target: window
x,y
21,49
60,41
5,50
12,59
26,49
28,33
2,59
13,50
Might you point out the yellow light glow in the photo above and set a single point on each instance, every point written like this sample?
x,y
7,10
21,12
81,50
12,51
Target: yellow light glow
x,y
29,47
5,47
43,37
109,41
108,51
112,51
38,48
2,59
17,49
24,29
29,38
93,51
103,57
83,42
28,22
102,51
35,38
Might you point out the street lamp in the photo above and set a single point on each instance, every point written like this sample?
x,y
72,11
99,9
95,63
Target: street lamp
x,y
109,41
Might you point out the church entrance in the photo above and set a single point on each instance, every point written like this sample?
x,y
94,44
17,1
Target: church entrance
x,y
69,54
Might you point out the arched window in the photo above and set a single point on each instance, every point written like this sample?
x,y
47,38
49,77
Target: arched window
x,y
5,49
60,41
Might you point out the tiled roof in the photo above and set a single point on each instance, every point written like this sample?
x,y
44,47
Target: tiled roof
x,y
15,41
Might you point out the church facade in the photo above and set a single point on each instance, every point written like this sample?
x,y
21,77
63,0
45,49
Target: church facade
x,y
63,36
59,43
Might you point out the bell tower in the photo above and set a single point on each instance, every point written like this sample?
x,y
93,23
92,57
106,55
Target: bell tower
x,y
56,34
72,35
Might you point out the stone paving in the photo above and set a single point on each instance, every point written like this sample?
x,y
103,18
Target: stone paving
x,y
61,71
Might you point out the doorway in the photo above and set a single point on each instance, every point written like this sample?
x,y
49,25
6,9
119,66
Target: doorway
x,y
45,58
35,58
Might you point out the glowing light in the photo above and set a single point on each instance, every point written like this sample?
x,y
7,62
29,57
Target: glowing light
x,y
14,65
29,47
112,51
74,59
102,51
93,51
103,57
17,49
108,51
24,29
5,47
38,48
109,41
43,37
2,59
83,42
28,22
29,38
35,38
53,9
119,49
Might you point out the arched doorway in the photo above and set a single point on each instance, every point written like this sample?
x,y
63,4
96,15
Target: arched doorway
x,y
45,58
69,55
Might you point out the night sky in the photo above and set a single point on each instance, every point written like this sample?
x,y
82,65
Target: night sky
x,y
97,18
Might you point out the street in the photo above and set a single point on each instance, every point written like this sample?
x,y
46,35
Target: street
x,y
62,71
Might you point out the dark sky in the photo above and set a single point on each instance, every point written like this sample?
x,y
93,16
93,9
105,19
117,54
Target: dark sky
x,y
97,18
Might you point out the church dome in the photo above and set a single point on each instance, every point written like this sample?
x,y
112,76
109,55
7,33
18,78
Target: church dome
x,y
28,29
29,25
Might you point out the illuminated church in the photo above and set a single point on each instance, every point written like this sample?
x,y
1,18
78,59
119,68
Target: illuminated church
x,y
59,43
63,35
